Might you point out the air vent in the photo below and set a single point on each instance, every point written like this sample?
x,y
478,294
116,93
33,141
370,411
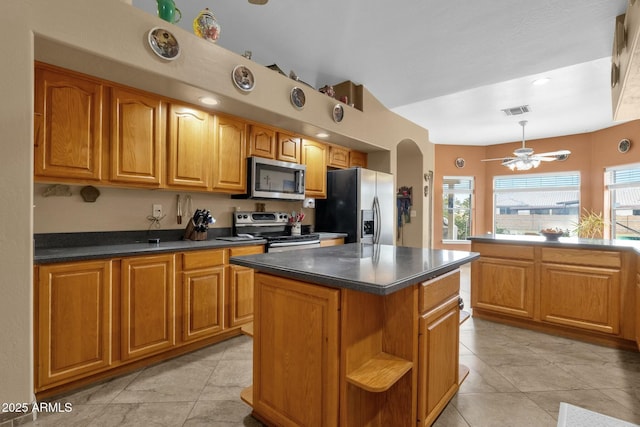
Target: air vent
x,y
515,111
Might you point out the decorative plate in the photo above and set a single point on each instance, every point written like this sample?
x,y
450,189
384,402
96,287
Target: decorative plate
x,y
624,145
298,98
338,113
163,43
460,162
243,78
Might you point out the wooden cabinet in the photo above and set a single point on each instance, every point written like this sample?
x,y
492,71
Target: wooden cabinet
x,y
136,138
637,308
503,285
73,327
438,343
314,156
332,242
190,148
262,142
230,165
296,352
147,305
69,132
241,287
357,159
203,283
288,148
338,157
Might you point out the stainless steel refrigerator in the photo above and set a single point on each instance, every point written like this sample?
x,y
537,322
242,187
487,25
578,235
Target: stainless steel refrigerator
x,y
360,202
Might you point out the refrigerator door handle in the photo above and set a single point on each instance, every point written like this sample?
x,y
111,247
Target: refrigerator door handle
x,y
376,220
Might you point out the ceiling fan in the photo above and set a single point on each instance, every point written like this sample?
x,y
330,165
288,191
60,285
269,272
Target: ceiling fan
x,y
525,159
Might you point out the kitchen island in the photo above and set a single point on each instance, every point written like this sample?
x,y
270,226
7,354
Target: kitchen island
x,y
355,335
587,289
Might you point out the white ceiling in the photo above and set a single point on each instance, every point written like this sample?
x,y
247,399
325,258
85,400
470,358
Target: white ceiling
x,y
449,66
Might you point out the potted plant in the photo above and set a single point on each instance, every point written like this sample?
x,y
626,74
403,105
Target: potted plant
x,y
590,225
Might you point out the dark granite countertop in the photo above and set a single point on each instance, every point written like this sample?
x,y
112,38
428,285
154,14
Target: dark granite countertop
x,y
376,269
568,242
79,253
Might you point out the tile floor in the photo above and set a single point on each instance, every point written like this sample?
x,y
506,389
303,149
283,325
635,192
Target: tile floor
x,y
518,378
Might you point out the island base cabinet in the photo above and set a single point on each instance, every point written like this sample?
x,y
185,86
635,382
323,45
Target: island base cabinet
x,y
296,359
73,331
148,308
438,360
580,296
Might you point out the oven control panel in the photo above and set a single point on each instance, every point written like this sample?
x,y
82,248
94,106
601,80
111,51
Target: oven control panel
x,y
260,218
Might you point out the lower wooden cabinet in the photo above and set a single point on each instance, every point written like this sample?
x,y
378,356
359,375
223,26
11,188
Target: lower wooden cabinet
x,y
504,286
438,364
73,309
147,305
296,352
580,296
241,285
203,283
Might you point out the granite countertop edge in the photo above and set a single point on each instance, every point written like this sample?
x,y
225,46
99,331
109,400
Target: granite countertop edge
x,y
566,242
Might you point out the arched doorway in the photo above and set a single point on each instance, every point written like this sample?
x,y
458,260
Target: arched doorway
x,y
412,215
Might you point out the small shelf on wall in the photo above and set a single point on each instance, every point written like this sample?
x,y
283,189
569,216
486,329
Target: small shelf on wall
x,y
246,395
352,91
247,329
380,372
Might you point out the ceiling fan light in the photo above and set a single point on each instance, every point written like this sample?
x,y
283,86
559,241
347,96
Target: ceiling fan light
x,y
535,163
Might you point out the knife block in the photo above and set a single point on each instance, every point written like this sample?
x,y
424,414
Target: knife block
x,y
190,233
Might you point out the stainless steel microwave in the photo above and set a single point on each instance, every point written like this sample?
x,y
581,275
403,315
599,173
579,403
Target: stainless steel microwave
x,y
274,179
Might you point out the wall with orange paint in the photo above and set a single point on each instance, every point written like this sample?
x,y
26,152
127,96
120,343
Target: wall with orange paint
x,y
591,154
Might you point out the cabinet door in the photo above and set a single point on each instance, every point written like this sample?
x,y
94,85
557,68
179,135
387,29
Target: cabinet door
x,y
240,295
314,156
288,149
68,111
357,159
136,138
503,286
230,171
203,302
296,369
262,142
190,148
338,157
438,360
580,296
73,330
147,306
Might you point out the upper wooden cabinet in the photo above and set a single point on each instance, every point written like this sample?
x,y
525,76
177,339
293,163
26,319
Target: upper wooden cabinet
x,y
338,157
190,147
357,159
68,118
230,165
288,148
314,157
136,146
262,142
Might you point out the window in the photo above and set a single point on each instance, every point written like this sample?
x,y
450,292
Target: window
x,y
623,186
526,204
456,204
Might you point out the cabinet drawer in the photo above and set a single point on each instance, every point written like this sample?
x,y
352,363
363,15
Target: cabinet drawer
x,y
246,250
503,251
580,256
202,259
437,291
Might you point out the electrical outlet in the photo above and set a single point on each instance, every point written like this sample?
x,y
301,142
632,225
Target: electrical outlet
x,y
157,211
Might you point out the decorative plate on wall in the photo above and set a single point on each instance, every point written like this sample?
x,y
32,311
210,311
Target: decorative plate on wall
x,y
338,113
624,145
243,78
298,98
459,162
163,43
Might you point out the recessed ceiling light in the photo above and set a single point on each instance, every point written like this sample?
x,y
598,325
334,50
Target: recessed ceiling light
x,y
541,81
322,135
207,100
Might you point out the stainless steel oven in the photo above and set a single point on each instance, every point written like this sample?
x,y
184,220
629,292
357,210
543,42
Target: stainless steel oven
x,y
274,228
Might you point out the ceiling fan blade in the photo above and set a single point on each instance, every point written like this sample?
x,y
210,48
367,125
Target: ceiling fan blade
x,y
499,158
544,159
555,153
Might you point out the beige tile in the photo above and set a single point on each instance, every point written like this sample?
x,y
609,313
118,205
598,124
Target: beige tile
x,y
483,378
103,392
168,414
221,413
80,416
541,378
237,373
241,348
501,409
214,391
450,417
607,375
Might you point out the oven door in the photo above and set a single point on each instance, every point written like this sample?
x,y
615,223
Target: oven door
x,y
292,246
